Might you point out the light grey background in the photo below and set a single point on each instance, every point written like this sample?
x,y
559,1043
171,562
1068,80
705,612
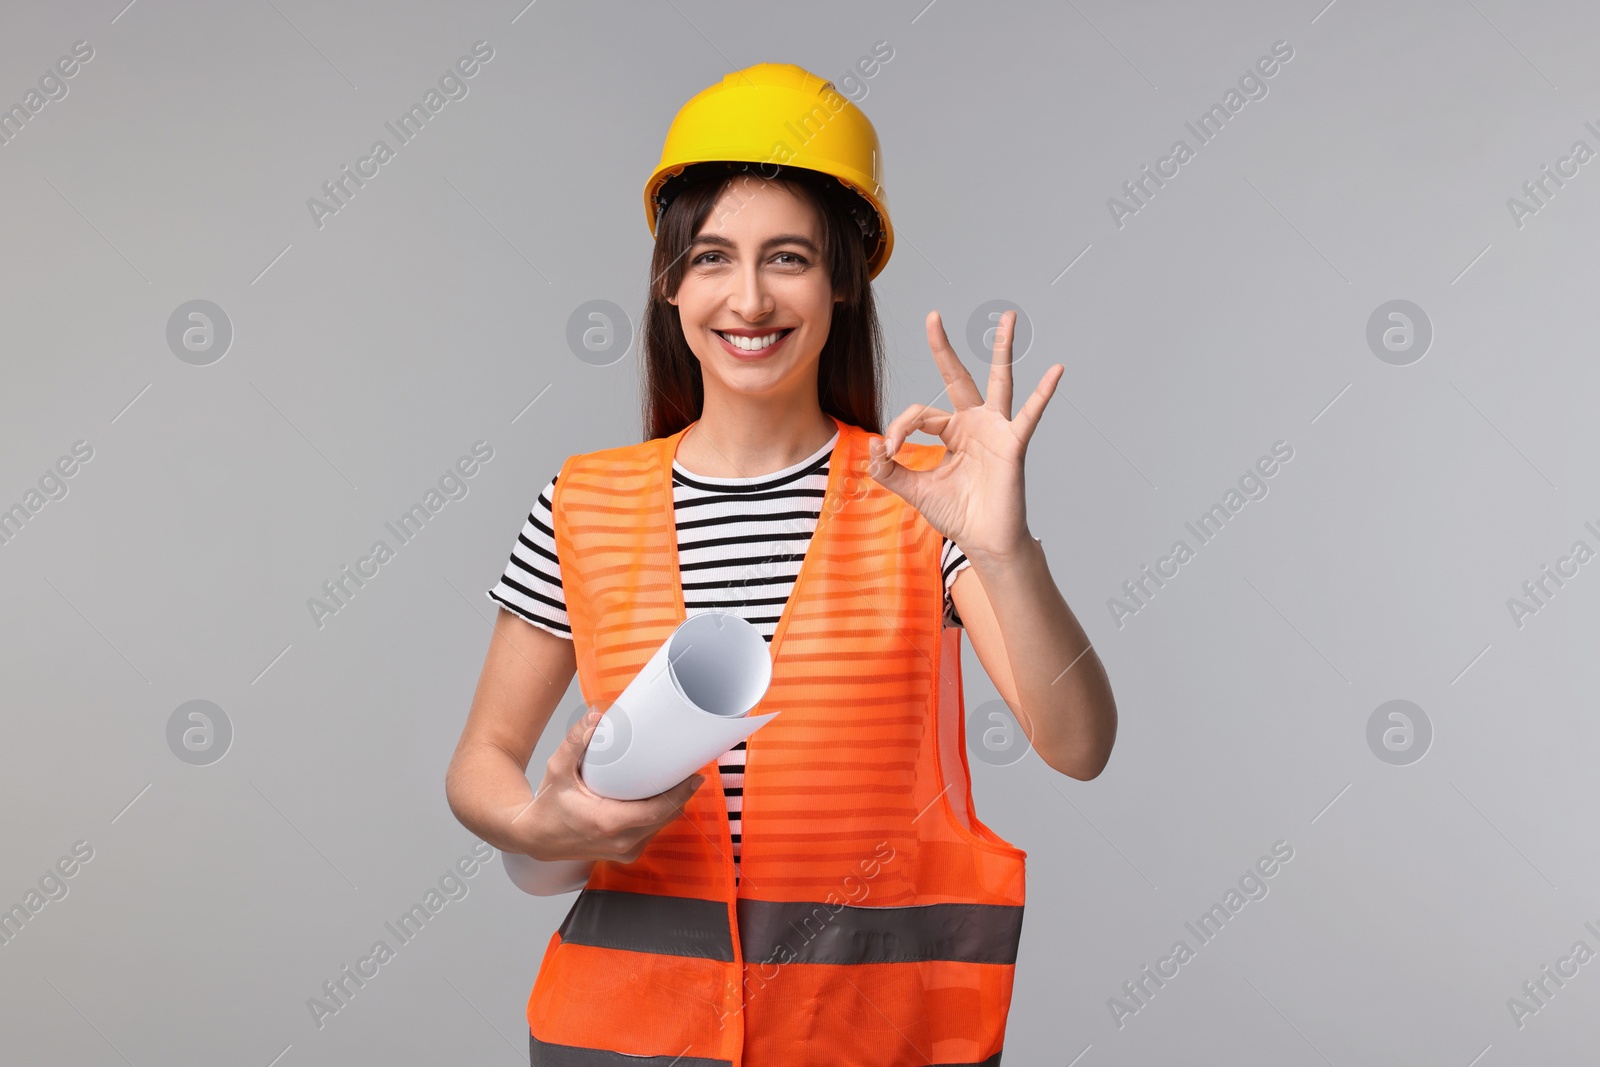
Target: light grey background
x,y
1229,313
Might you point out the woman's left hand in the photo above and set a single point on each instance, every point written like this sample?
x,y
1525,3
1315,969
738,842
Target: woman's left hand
x,y
974,497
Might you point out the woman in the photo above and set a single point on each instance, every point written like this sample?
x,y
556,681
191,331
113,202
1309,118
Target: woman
x,y
864,915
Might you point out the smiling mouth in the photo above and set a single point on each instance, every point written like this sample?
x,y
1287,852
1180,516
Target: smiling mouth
x,y
754,345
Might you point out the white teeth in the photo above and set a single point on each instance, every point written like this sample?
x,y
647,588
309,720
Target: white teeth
x,y
751,344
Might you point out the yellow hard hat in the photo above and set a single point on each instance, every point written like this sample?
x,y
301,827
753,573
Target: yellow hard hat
x,y
780,117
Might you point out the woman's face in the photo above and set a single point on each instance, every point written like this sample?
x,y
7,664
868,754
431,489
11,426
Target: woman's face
x,y
756,269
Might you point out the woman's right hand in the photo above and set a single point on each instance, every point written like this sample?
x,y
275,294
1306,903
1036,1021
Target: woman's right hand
x,y
570,822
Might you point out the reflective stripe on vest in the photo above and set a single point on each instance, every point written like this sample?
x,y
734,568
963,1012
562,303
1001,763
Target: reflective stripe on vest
x,y
768,929
544,1054
876,919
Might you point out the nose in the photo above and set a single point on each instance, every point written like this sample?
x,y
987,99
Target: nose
x,y
750,298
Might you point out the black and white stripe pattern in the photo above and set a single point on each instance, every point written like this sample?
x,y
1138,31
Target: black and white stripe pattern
x,y
741,542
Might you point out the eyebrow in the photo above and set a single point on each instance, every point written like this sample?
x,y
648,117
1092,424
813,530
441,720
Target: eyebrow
x,y
781,239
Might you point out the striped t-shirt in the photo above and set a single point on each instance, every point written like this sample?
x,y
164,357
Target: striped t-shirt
x,y
741,542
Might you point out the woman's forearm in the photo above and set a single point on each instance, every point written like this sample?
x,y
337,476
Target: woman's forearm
x,y
491,796
1065,696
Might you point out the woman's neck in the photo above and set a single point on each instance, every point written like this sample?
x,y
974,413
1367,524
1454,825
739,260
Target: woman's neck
x,y
730,447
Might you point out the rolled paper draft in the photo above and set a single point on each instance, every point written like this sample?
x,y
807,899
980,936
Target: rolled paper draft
x,y
689,704
546,878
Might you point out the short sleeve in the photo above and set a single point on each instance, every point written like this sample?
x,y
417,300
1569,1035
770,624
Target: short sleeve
x,y
954,561
531,584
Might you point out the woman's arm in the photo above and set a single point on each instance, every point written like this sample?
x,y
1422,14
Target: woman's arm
x,y
525,674
1039,659
1022,630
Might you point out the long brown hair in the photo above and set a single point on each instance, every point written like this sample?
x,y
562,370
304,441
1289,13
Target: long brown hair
x,y
851,372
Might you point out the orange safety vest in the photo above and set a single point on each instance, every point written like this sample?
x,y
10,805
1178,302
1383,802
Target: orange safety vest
x,y
876,920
